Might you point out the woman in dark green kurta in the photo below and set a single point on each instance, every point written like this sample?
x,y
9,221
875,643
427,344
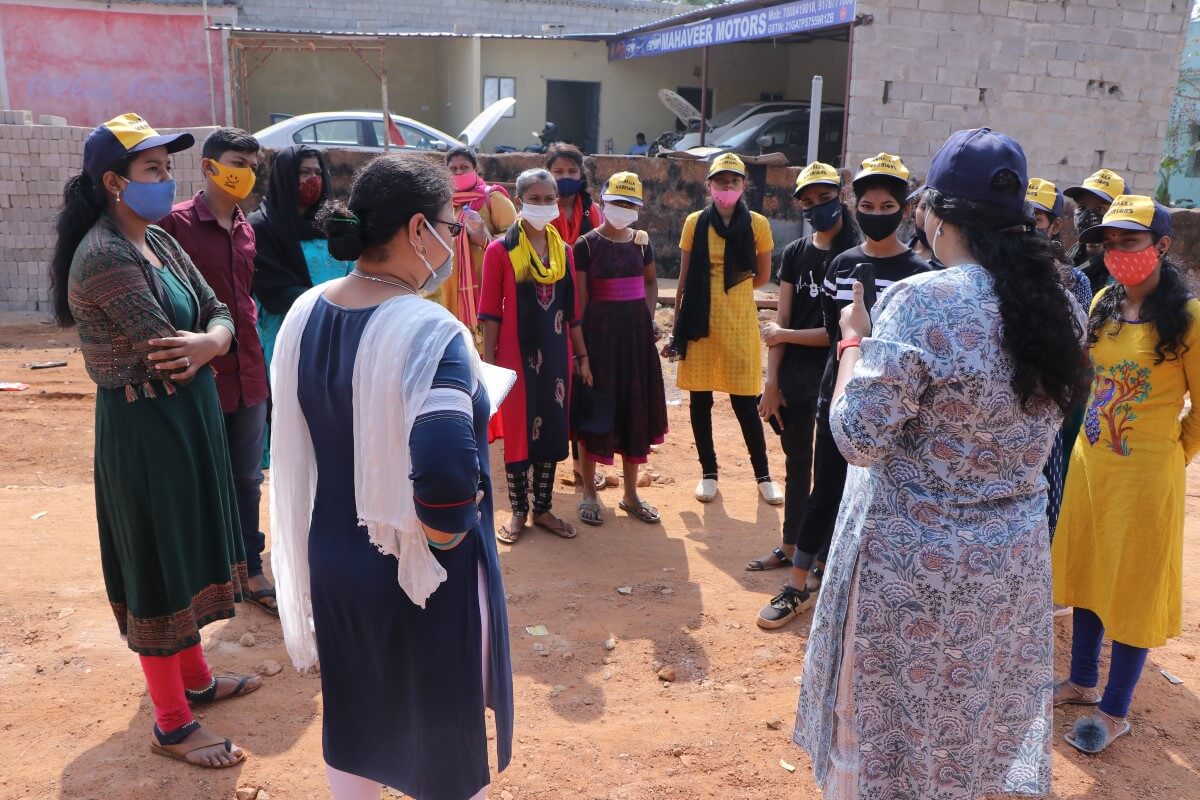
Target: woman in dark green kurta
x,y
149,325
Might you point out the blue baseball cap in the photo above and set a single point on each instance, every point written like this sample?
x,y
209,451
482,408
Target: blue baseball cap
x,y
970,159
123,136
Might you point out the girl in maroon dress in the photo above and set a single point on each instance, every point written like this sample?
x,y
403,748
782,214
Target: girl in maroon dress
x,y
618,290
528,305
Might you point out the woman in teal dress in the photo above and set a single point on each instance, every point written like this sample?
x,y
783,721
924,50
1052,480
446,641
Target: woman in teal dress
x,y
170,541
291,255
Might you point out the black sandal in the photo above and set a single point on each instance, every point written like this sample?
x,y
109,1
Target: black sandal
x,y
760,565
257,599
163,740
203,697
815,574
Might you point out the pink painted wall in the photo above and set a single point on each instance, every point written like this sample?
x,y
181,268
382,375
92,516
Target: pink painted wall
x,y
89,66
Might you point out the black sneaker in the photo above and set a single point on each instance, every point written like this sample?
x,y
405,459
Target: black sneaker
x,y
785,607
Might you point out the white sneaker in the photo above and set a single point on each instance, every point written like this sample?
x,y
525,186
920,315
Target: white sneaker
x,y
706,490
771,492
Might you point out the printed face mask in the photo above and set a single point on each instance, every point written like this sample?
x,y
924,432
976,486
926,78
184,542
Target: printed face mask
x,y
539,216
824,216
878,227
466,180
727,198
1130,269
150,201
234,181
439,275
1087,218
310,190
620,218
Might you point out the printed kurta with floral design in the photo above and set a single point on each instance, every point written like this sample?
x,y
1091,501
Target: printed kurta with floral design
x,y
1119,549
942,534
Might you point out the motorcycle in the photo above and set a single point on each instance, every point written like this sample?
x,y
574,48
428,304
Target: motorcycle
x,y
547,137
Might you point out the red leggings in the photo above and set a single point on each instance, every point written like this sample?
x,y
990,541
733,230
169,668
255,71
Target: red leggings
x,y
167,676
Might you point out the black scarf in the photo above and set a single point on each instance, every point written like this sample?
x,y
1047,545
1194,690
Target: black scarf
x,y
1095,270
280,271
741,263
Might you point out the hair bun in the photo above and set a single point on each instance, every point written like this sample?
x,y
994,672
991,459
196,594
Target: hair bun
x,y
343,231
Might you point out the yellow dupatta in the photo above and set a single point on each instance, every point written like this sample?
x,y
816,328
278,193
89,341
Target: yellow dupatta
x,y
527,264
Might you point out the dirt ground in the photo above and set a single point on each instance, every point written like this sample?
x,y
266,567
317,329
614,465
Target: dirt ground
x,y
75,719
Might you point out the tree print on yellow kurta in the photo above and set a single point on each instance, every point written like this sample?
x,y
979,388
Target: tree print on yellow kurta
x,y
1110,413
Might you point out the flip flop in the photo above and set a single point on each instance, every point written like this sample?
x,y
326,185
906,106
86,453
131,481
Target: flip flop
x,y
590,513
1082,697
598,480
203,697
175,737
642,510
1091,736
562,529
760,565
257,599
507,535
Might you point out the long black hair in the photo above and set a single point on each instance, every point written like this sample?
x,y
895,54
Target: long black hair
x,y
84,202
1165,307
387,193
1039,330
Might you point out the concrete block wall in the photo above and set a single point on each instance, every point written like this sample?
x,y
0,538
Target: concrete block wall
x,y
35,163
1078,84
458,16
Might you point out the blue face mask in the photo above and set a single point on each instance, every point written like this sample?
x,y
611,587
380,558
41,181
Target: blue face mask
x,y
150,201
568,187
824,216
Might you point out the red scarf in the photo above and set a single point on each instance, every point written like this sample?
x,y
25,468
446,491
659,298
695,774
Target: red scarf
x,y
475,198
571,228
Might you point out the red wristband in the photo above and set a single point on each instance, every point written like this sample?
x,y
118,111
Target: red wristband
x,y
844,344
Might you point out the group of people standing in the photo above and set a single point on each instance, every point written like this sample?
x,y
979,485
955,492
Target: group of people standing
x,y
948,407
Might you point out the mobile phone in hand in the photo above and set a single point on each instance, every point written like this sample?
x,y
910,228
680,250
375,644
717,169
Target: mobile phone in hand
x,y
864,273
773,421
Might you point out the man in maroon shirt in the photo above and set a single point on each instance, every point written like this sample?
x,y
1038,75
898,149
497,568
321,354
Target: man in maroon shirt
x,y
212,229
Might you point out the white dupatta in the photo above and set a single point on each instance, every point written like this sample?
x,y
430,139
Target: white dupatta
x,y
397,357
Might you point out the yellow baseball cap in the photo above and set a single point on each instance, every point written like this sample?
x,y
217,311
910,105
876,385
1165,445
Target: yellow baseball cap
x,y
1044,196
884,165
623,186
727,162
122,136
1103,183
817,173
1131,212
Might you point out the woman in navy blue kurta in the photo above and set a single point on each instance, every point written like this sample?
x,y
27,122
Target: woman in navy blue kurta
x,y
403,687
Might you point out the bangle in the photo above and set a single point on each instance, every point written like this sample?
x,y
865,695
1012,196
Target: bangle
x,y
581,357
846,344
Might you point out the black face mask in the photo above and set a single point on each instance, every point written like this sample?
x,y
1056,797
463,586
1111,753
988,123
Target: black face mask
x,y
1087,218
878,227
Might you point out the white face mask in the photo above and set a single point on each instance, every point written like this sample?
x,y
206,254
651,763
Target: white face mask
x,y
620,217
436,276
539,216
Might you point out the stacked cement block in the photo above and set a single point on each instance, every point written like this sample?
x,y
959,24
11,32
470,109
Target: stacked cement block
x,y
1079,84
35,162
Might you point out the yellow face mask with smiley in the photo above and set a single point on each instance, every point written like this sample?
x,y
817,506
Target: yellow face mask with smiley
x,y
234,181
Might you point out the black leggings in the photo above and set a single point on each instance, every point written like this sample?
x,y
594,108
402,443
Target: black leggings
x,y
820,513
543,489
745,407
797,439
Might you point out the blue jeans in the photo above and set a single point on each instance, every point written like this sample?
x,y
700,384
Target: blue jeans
x,y
1087,637
244,429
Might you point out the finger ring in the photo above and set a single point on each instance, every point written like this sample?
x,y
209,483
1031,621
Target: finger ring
x,y
187,362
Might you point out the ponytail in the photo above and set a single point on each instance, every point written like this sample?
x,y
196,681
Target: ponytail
x,y
83,204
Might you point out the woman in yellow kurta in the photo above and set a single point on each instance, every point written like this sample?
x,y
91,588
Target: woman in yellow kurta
x,y
725,254
485,213
1118,552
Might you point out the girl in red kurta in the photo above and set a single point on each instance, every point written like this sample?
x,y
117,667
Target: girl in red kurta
x,y
529,310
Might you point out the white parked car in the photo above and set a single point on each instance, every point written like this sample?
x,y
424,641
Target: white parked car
x,y
726,122
364,130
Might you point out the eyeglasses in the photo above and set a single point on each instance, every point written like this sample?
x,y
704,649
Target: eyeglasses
x,y
456,228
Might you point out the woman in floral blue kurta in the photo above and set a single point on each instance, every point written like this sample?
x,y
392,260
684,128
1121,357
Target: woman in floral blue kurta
x,y
939,572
